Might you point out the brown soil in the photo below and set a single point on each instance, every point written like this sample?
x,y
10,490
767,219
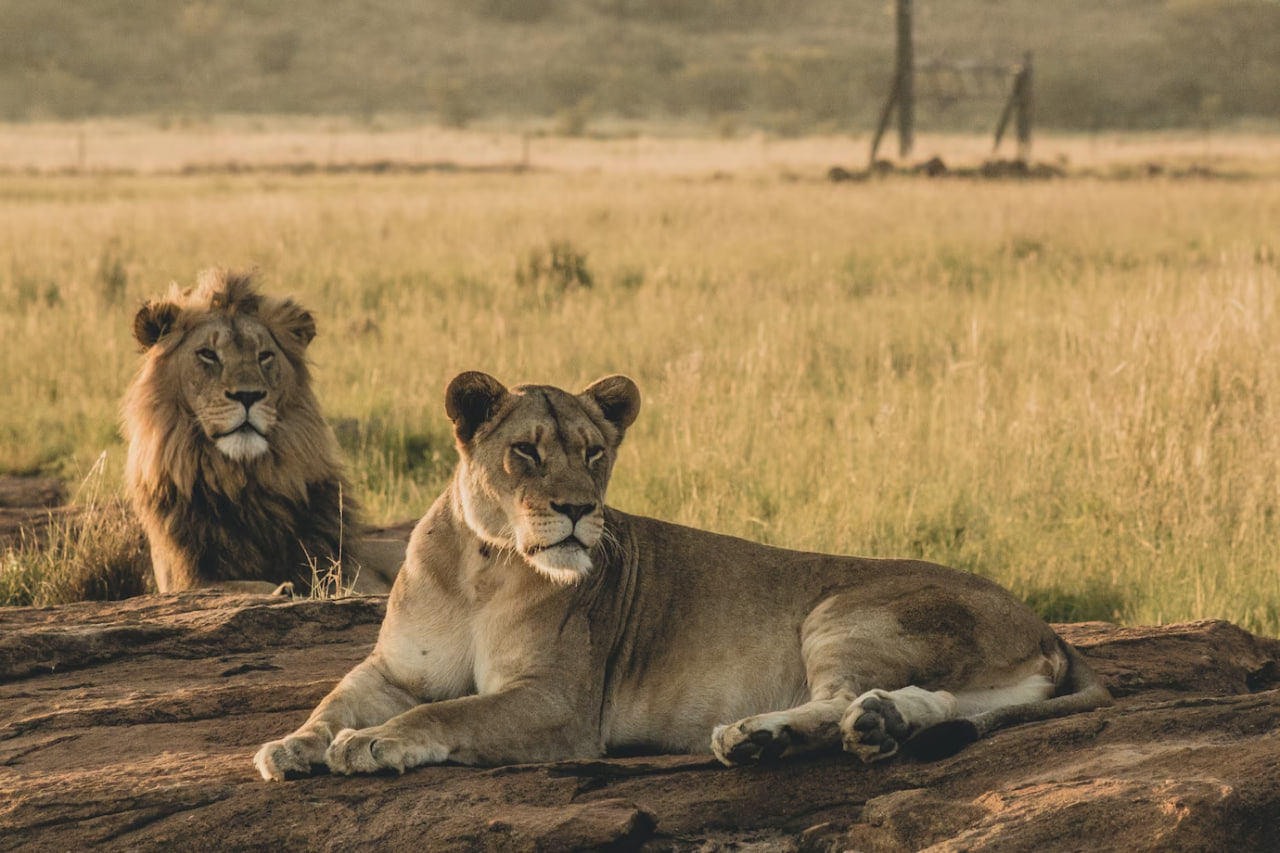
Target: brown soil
x,y
27,504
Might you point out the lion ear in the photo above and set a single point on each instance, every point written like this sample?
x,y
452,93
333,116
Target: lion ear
x,y
472,398
618,399
295,321
153,321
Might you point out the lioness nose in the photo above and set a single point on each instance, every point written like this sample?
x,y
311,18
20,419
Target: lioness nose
x,y
246,398
574,511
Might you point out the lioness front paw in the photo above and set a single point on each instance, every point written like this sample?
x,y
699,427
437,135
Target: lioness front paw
x,y
873,728
289,755
374,749
352,751
748,740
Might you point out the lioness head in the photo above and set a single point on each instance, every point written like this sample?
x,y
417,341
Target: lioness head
x,y
536,463
230,357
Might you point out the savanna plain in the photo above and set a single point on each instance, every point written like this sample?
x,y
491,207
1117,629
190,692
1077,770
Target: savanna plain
x,y
1069,386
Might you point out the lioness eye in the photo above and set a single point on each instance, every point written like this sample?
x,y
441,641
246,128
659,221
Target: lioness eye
x,y
594,454
525,450
207,355
265,357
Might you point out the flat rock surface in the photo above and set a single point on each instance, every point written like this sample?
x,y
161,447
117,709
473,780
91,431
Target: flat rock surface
x,y
131,725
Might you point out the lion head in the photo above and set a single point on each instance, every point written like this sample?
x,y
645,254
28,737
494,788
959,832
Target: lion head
x,y
535,465
231,465
225,358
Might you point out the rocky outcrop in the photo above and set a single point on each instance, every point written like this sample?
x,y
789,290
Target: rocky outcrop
x,y
131,725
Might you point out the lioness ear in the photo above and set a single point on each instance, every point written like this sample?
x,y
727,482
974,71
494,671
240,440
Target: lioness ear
x,y
471,400
618,399
153,321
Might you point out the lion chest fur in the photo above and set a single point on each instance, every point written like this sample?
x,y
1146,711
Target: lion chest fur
x,y
254,533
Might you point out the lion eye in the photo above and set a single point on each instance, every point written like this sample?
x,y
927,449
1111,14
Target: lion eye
x,y
594,454
525,450
266,357
207,355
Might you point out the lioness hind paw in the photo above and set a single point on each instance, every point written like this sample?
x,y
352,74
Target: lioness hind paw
x,y
874,728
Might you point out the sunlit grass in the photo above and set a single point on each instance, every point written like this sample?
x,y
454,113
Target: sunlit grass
x,y
1068,387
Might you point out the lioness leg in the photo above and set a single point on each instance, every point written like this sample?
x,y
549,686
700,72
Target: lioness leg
x,y
363,698
880,721
907,648
831,650
519,725
811,727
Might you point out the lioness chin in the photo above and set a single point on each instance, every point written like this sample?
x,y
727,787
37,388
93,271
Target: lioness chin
x,y
532,622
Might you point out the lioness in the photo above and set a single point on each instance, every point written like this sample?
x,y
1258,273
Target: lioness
x,y
232,468
532,622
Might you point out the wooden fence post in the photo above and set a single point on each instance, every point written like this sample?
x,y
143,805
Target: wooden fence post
x,y
902,94
905,82
1021,108
1026,110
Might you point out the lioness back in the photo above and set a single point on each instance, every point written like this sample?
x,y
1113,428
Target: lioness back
x,y
532,622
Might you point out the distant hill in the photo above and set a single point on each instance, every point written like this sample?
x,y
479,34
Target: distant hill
x,y
786,67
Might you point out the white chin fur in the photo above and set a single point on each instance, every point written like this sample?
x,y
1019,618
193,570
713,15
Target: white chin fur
x,y
564,564
242,445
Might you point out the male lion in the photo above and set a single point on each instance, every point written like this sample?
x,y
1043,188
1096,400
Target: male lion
x,y
532,622
232,468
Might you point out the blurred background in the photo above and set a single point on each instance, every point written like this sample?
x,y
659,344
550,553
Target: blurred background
x,y
576,67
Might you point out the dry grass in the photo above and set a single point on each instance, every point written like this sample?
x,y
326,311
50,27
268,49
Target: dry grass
x,y
98,554
1066,386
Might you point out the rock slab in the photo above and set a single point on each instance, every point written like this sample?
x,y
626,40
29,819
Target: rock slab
x,y
131,726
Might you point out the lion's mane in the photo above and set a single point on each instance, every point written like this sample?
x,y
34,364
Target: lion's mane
x,y
211,518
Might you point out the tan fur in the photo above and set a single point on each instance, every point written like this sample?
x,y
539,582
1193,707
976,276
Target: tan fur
x,y
534,623
232,468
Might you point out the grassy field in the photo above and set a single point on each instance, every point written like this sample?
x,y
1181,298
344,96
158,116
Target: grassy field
x,y
1067,386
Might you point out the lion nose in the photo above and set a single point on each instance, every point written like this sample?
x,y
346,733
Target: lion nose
x,y
573,511
246,398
